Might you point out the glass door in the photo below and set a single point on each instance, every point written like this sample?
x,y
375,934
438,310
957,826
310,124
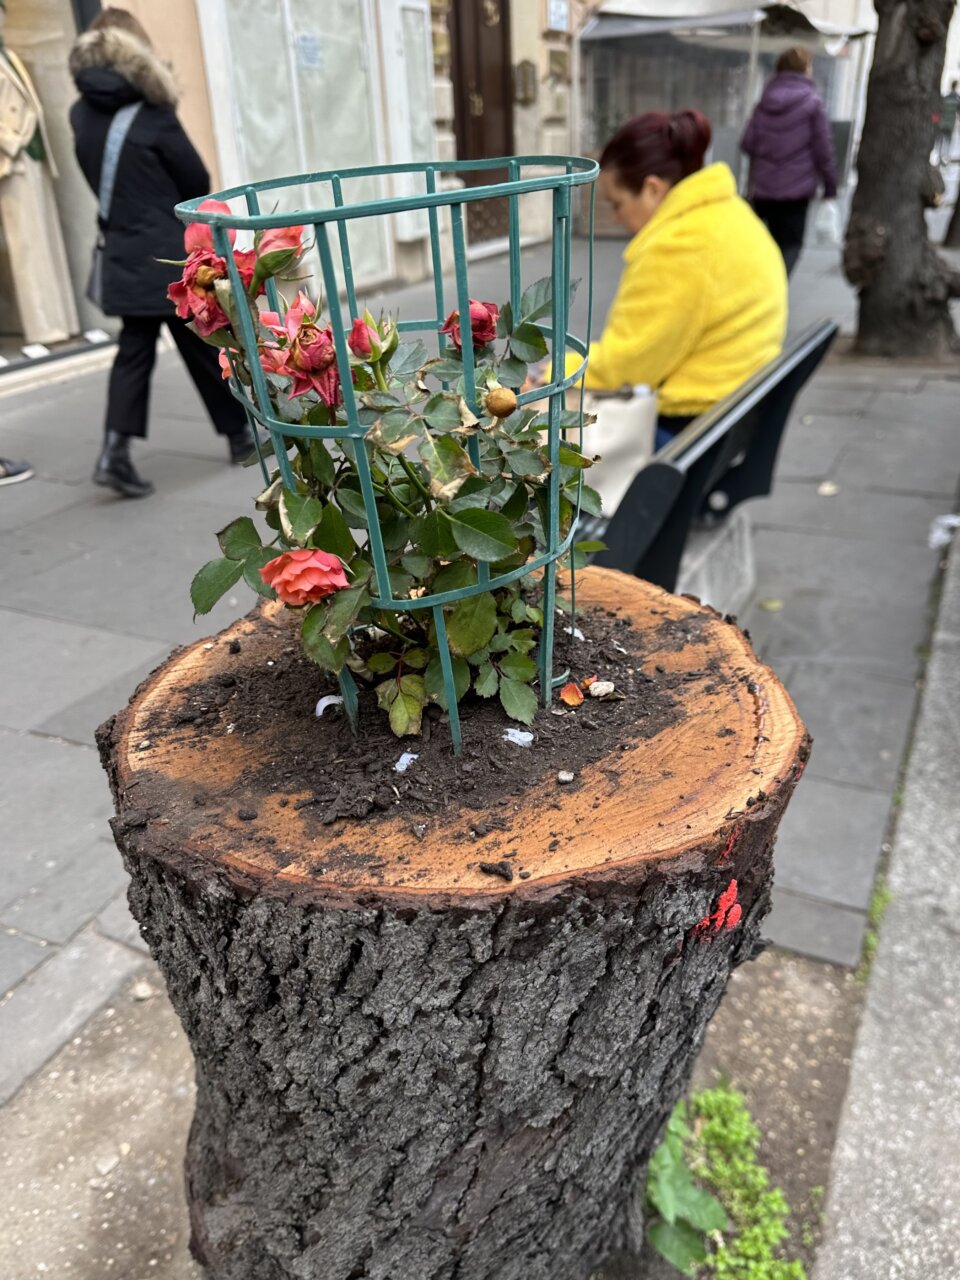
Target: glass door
x,y
305,99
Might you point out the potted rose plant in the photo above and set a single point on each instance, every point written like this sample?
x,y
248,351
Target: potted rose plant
x,y
461,498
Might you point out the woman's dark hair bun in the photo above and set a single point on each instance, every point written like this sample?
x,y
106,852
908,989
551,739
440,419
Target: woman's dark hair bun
x,y
658,145
692,133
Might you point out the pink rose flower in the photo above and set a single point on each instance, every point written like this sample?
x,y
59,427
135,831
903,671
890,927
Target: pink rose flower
x,y
277,238
304,576
364,341
199,235
309,355
273,359
246,261
194,294
483,324
313,363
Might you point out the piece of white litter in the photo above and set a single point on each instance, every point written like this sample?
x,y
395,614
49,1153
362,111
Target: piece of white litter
x,y
405,761
518,736
209,646
565,776
575,632
828,489
602,688
619,647
941,531
331,700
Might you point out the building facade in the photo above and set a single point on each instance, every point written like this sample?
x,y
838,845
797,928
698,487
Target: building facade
x,y
296,86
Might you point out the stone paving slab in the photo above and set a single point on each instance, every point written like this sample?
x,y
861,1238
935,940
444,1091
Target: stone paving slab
x,y
904,463
78,721
861,724
60,664
55,1001
37,499
115,921
829,842
853,512
147,581
21,556
931,402
18,957
59,904
816,928
848,568
882,637
54,806
812,446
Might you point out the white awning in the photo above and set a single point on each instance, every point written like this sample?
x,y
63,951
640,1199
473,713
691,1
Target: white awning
x,y
616,19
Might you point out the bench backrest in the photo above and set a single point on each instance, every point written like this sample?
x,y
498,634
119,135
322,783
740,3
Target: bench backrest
x,y
648,531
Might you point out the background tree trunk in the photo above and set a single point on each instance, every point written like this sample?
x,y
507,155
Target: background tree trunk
x,y
423,1072
952,238
905,287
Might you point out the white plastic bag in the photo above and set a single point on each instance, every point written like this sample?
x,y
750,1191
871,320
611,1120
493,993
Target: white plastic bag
x,y
827,229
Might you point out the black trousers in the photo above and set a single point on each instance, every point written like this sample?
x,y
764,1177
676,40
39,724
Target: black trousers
x,y
128,397
786,220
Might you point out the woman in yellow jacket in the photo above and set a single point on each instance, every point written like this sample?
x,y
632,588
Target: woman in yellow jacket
x,y
702,303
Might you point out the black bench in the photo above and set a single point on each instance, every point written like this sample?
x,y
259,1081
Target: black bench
x,y
732,448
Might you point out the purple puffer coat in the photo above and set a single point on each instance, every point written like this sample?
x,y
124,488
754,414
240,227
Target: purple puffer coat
x,y
788,141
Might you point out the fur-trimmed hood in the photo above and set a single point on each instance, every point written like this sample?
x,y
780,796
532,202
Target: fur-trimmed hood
x,y
101,61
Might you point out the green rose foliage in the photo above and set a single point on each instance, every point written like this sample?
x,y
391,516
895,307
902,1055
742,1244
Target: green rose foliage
x,y
462,495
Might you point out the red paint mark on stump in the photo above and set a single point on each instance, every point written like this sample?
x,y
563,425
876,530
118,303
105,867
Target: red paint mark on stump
x,y
731,842
726,916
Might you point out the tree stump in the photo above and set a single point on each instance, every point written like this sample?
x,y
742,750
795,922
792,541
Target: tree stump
x,y
433,1073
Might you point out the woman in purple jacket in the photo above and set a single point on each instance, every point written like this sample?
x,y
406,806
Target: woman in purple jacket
x,y
791,152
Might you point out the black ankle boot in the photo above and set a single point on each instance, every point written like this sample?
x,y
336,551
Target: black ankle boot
x,y
115,468
242,445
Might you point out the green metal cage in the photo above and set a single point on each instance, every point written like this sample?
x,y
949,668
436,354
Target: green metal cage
x,y
555,175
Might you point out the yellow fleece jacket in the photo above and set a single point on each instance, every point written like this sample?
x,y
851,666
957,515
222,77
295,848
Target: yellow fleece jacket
x,y
702,303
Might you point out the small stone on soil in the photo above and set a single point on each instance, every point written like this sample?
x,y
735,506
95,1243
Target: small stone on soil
x,y
565,776
246,815
602,688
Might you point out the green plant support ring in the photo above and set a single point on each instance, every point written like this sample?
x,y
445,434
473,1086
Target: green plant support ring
x,y
556,175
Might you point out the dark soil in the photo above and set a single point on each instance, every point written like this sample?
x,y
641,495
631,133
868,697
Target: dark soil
x,y
337,776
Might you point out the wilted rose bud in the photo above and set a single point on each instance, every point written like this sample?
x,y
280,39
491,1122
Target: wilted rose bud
x,y
364,341
483,324
500,402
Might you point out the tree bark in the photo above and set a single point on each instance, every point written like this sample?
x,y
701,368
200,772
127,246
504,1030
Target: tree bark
x,y
436,1075
952,239
905,287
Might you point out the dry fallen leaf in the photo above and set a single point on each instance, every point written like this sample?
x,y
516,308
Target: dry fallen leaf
x,y
571,694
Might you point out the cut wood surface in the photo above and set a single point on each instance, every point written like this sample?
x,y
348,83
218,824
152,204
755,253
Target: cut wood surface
x,y
686,788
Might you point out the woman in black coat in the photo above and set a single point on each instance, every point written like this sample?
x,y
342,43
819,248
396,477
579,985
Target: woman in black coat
x,y
114,65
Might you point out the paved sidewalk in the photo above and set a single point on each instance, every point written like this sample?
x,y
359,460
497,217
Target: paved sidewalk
x,y
894,1207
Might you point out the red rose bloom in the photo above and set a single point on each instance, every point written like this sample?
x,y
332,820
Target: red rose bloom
x,y
483,324
304,576
194,294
